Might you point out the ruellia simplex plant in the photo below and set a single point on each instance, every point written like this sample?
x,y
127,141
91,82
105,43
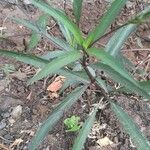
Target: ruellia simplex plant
x,y
75,51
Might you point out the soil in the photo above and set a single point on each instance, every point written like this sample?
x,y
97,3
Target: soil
x,y
33,104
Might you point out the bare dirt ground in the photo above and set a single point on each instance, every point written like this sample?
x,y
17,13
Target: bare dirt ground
x,y
23,108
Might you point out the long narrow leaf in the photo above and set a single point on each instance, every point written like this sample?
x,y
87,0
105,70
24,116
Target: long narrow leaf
x,y
56,64
141,17
132,129
40,62
52,54
80,76
59,16
67,34
117,40
55,116
69,82
77,8
26,58
117,77
145,85
105,22
35,38
84,132
110,61
102,84
57,41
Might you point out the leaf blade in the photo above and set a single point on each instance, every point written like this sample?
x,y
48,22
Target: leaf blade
x,y
110,61
57,41
26,58
105,22
58,15
56,64
40,62
84,131
35,38
77,8
117,40
139,140
121,79
55,116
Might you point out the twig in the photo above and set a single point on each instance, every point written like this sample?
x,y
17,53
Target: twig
x,y
127,50
143,38
4,147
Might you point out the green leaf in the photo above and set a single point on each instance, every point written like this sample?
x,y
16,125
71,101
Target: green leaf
x,y
125,62
77,8
55,116
84,132
102,84
105,22
79,76
145,85
131,128
67,34
116,42
52,54
26,58
59,16
57,41
72,123
43,20
110,61
119,78
8,68
35,38
141,17
69,82
56,64
40,62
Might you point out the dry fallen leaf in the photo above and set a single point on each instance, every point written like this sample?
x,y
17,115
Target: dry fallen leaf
x,y
104,141
30,132
56,84
3,85
11,121
4,147
29,96
17,142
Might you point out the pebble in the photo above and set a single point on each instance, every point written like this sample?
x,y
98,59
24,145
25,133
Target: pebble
x,y
8,137
11,121
2,125
16,112
6,115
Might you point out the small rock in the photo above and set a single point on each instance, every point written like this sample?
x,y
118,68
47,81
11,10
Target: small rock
x,y
6,115
6,102
11,121
3,85
2,125
17,111
8,137
27,2
3,132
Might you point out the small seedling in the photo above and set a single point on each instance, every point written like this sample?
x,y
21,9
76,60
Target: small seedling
x,y
72,124
8,68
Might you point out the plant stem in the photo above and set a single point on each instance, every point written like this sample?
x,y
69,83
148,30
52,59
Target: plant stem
x,y
92,78
113,30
